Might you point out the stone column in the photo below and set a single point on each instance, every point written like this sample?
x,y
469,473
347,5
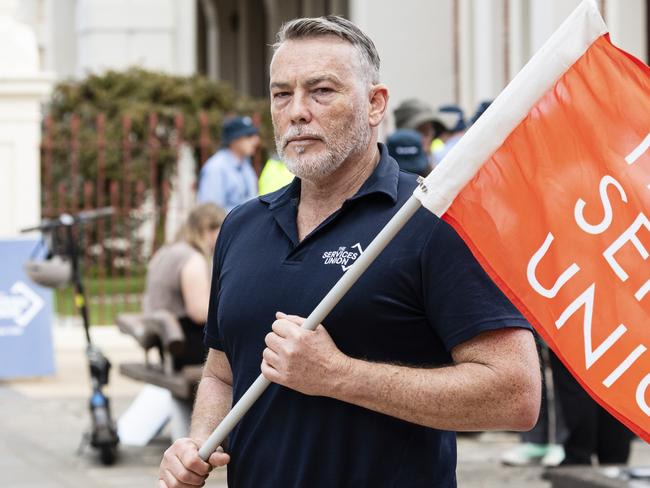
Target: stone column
x,y
22,88
627,25
488,52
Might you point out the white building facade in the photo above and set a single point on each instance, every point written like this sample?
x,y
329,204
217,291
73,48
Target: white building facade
x,y
22,87
442,51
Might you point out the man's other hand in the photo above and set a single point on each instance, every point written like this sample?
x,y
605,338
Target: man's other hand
x,y
182,467
303,360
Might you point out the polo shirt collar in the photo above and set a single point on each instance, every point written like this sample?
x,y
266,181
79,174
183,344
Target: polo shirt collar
x,y
384,180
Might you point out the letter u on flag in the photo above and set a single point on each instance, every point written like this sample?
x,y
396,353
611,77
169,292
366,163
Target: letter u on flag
x,y
550,189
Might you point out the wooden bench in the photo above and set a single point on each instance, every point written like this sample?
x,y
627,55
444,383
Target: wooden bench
x,y
160,331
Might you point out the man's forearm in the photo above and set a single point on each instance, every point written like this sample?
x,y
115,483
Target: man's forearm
x,y
465,396
494,382
459,397
213,402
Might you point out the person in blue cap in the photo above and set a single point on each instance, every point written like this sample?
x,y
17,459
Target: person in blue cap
x,y
452,133
228,178
455,127
405,146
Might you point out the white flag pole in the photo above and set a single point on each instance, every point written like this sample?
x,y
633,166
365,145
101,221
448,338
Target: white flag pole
x,y
316,317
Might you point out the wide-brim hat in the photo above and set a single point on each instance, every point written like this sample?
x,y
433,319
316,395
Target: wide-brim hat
x,y
412,113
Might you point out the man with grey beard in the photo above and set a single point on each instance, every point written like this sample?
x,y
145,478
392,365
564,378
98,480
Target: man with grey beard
x,y
424,344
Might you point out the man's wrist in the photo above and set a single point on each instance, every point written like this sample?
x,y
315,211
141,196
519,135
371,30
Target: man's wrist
x,y
342,377
199,437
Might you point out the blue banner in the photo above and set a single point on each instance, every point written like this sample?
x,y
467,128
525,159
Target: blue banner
x,y
26,315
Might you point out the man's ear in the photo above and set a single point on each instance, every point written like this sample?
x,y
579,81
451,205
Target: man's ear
x,y
378,98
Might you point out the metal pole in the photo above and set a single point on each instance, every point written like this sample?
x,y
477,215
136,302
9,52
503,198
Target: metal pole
x,y
316,317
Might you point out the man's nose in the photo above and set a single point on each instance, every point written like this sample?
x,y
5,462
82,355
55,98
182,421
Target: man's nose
x,y
299,109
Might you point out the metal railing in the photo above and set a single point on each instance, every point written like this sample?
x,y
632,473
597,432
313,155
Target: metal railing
x,y
139,177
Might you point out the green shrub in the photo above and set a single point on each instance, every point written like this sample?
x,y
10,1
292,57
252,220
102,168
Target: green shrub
x,y
136,93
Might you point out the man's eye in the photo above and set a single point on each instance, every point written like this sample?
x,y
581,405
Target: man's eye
x,y
323,91
280,95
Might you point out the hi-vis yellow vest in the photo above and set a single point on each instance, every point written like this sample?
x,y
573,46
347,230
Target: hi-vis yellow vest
x,y
274,176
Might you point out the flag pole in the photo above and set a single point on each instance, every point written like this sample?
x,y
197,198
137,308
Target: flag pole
x,y
321,311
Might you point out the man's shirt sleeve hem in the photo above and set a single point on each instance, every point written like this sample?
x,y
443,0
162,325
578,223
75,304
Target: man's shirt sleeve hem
x,y
213,342
487,326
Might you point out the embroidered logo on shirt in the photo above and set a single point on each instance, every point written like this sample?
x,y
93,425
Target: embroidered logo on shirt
x,y
342,256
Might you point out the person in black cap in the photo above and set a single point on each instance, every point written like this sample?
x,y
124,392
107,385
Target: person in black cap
x,y
228,178
405,146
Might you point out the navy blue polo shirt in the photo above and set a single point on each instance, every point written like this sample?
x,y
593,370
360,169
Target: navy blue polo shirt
x,y
423,295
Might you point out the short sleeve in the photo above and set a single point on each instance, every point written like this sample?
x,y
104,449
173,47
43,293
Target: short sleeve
x,y
461,300
213,337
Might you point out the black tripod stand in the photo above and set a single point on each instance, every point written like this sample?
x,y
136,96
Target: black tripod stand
x,y
103,433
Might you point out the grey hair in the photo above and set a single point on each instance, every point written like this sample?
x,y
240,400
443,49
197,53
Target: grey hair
x,y
333,25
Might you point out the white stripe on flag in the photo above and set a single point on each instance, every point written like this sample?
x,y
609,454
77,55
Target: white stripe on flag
x,y
638,151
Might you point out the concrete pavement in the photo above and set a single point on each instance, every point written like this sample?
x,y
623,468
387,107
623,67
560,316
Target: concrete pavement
x,y
42,421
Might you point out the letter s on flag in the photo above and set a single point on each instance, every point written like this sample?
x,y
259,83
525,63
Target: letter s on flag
x,y
564,152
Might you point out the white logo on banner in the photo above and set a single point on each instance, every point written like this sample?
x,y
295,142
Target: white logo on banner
x,y
19,306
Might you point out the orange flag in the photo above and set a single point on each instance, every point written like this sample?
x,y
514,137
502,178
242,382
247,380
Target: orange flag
x,y
551,191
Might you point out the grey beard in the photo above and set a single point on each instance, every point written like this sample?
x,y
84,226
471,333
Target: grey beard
x,y
339,146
